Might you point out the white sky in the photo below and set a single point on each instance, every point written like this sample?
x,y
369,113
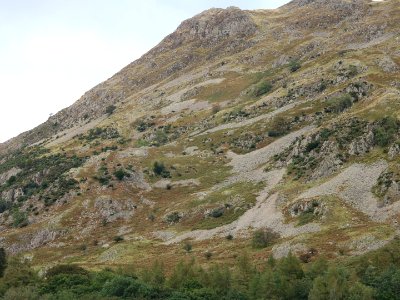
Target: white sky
x,y
52,51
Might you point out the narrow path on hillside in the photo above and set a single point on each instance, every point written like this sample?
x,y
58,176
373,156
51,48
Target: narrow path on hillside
x,y
252,121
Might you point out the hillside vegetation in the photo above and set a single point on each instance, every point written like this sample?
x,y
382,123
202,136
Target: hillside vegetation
x,y
267,132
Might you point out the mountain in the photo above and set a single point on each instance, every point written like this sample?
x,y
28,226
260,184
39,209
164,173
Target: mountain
x,y
284,121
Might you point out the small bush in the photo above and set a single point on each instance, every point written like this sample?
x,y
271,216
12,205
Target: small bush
x,y
339,104
216,213
208,255
20,219
187,247
118,238
312,145
263,238
103,180
160,170
306,217
279,127
216,108
110,109
353,70
3,261
66,269
4,205
229,237
173,217
120,174
262,88
385,131
294,65
11,180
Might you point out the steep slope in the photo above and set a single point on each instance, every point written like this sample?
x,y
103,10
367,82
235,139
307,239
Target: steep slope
x,y
283,119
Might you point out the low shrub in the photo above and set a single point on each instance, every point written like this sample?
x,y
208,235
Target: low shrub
x,y
110,109
173,217
263,238
217,212
120,174
187,247
385,131
20,219
339,104
160,170
294,65
65,269
118,238
262,88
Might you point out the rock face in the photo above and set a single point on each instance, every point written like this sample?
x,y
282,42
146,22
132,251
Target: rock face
x,y
218,30
7,175
32,241
213,26
111,210
330,4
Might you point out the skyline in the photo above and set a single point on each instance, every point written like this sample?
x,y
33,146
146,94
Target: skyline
x,y
52,52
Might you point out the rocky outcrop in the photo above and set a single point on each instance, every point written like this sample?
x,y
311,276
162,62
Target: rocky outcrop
x,y
111,210
7,175
210,27
314,206
362,144
31,241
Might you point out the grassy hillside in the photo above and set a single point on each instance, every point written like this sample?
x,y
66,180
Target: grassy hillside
x,y
271,124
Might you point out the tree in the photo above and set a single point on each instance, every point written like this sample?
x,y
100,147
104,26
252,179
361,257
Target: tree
x,y
3,261
290,266
337,284
155,275
18,274
263,238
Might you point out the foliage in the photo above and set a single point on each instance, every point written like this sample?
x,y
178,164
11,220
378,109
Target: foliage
x,y
20,219
278,127
104,133
120,174
3,261
4,205
294,65
385,131
217,212
66,269
187,247
118,238
339,104
161,170
374,276
110,109
53,182
263,238
262,88
173,217
305,218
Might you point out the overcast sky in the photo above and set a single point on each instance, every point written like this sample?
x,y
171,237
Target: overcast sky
x,y
52,51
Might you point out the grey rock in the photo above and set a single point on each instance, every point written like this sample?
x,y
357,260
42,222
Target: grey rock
x,y
113,209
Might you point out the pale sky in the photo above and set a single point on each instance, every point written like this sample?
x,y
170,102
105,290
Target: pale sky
x,y
53,51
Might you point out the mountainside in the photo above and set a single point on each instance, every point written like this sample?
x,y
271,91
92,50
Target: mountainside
x,y
283,120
